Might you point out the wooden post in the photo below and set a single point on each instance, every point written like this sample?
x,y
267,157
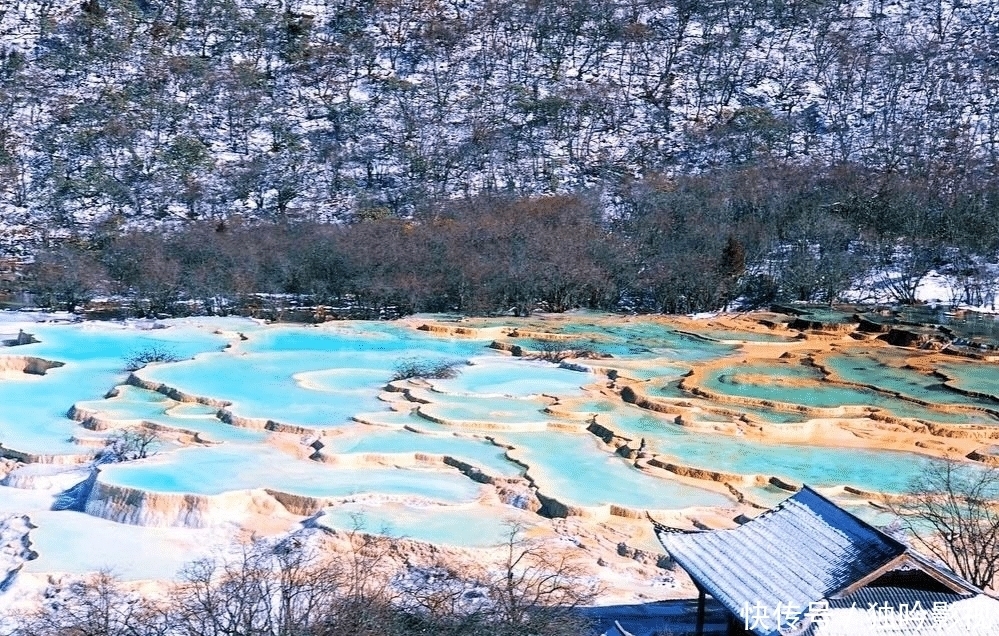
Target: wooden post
x,y
700,611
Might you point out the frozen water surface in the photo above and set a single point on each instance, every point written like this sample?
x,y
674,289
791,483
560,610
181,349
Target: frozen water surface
x,y
497,376
480,453
501,411
18,500
78,543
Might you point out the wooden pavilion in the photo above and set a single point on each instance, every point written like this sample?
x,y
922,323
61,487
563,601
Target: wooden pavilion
x,y
808,567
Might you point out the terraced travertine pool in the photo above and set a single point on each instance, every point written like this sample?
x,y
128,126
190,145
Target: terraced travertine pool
x,y
273,424
817,466
803,385
33,415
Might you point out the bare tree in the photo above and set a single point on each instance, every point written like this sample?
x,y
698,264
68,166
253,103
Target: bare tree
x,y
267,590
952,510
295,588
418,368
66,277
288,589
440,593
96,606
153,353
532,591
536,591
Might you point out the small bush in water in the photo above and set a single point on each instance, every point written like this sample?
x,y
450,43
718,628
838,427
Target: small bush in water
x,y
435,369
153,353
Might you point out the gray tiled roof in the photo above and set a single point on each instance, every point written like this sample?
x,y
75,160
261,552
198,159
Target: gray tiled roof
x,y
802,551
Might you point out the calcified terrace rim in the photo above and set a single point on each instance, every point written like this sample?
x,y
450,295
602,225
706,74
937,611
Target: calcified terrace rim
x,y
833,427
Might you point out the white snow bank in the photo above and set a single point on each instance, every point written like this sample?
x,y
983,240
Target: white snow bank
x,y
15,548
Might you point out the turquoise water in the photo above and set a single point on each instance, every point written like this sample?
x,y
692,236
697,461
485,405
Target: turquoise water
x,y
586,406
33,408
78,543
656,371
865,368
398,419
314,377
669,390
364,341
442,525
497,376
504,411
735,381
324,377
641,338
769,415
821,466
980,378
745,336
480,453
830,316
133,405
211,471
626,339
264,386
575,470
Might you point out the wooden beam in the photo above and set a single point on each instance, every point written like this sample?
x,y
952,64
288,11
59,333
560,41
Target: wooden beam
x,y
623,631
895,564
700,611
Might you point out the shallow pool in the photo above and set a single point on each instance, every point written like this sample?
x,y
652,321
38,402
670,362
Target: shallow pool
x,y
214,470
33,408
806,388
442,525
575,470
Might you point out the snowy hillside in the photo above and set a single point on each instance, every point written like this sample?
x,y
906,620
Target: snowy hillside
x,y
144,109
809,150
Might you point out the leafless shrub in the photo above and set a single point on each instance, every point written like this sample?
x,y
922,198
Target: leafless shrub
x,y
291,588
96,606
130,444
267,591
153,353
537,592
556,351
531,592
431,369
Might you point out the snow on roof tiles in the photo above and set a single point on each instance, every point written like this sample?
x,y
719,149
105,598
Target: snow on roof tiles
x,y
977,615
802,551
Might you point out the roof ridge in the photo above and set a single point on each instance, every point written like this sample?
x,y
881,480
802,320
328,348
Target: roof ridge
x,y
883,535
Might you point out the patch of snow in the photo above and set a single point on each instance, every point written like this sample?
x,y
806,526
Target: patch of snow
x,y
15,547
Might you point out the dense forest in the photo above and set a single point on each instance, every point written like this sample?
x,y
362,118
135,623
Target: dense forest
x,y
493,156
